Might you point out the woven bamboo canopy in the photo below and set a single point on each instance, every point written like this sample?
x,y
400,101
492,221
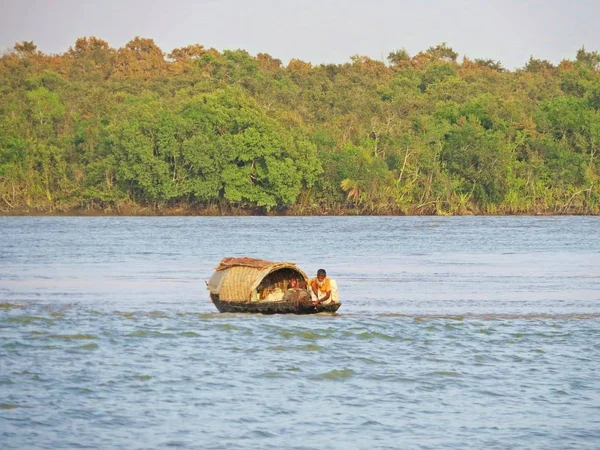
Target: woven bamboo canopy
x,y
246,279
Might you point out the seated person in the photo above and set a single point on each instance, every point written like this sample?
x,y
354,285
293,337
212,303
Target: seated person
x,y
323,289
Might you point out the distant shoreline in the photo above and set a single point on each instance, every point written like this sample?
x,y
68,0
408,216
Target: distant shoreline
x,y
212,212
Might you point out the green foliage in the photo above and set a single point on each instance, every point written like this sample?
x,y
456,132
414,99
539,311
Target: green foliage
x,y
98,127
474,156
45,108
539,65
398,57
588,59
490,64
442,52
436,73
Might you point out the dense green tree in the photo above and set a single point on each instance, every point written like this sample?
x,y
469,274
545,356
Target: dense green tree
x,y
399,57
588,59
116,129
442,52
539,65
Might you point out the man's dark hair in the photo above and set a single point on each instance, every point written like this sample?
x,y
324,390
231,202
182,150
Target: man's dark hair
x,y
321,272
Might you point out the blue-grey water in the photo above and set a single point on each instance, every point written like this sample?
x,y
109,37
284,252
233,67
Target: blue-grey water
x,y
464,332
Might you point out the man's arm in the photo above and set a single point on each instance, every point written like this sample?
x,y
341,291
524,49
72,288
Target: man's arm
x,y
324,299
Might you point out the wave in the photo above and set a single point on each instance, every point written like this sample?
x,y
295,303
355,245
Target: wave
x,y
335,375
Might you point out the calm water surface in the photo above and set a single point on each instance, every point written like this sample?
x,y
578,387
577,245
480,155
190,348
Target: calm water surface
x,y
465,332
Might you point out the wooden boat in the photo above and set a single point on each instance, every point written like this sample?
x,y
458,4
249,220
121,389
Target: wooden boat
x,y
249,285
282,307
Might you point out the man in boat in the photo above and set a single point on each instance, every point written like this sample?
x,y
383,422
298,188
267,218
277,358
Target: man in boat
x,y
323,289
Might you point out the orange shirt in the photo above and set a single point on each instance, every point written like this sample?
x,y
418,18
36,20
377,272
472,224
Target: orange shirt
x,y
325,285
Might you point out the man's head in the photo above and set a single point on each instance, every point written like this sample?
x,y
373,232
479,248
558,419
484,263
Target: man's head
x,y
293,283
321,274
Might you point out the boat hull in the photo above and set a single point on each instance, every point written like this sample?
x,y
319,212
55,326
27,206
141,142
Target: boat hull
x,y
273,307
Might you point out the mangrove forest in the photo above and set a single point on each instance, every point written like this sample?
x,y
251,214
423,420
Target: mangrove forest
x,y
136,130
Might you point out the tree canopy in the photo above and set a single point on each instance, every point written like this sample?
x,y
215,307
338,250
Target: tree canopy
x,y
105,129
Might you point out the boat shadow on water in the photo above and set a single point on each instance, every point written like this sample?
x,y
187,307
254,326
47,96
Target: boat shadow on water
x,y
284,307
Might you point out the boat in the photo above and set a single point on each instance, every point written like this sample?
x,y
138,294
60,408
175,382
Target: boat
x,y
250,285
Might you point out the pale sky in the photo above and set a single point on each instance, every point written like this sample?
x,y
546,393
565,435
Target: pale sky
x,y
319,31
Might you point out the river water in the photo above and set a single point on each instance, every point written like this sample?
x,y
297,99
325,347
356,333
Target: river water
x,y
461,332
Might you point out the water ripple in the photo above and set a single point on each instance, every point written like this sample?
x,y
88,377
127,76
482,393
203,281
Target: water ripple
x,y
468,333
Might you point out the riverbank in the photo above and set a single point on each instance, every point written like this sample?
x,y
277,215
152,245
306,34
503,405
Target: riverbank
x,y
217,211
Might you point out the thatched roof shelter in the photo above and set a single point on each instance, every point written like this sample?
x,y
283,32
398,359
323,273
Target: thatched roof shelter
x,y
238,280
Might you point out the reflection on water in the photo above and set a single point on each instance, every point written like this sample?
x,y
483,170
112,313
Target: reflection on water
x,y
454,333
